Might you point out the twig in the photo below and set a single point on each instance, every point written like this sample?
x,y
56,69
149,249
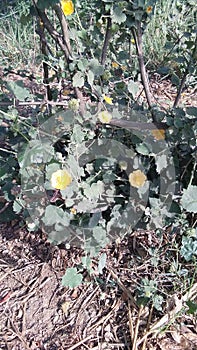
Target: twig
x,y
134,345
127,124
130,323
121,123
124,289
53,33
137,34
43,45
106,41
64,27
63,43
147,327
80,342
4,207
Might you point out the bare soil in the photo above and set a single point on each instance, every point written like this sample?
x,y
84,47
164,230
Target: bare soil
x,y
38,313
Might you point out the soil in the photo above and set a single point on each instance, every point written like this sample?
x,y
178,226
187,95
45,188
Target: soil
x,y
38,313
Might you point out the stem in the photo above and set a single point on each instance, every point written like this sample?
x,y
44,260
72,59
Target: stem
x,y
137,34
64,27
63,43
53,33
106,41
43,45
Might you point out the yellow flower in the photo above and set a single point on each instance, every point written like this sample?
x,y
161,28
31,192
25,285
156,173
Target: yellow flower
x,y
60,179
67,7
115,65
137,178
73,211
73,104
66,92
105,117
108,100
149,9
159,134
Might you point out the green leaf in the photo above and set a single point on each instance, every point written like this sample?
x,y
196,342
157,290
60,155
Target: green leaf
x,y
54,215
189,199
102,263
72,278
191,111
188,248
133,88
192,307
142,148
118,16
96,67
18,89
161,162
78,80
90,77
18,205
100,235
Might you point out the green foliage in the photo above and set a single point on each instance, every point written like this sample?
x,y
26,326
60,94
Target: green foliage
x,y
100,204
72,278
189,199
148,292
192,307
189,245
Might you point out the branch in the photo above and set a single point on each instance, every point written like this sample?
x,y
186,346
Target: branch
x,y
43,45
64,27
137,34
53,33
106,41
63,43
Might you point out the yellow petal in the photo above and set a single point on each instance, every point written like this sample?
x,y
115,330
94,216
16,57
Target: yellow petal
x,y
159,134
60,179
137,178
108,100
105,117
73,211
149,9
67,7
115,65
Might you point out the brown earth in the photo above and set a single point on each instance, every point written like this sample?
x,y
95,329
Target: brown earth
x,y
38,313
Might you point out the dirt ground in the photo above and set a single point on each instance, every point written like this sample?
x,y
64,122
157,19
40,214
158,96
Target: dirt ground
x,y
38,313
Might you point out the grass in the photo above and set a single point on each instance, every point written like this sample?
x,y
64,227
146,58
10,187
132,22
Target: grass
x,y
19,43
165,32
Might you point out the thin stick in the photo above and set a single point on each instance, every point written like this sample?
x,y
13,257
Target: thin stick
x,y
134,346
80,342
106,41
124,289
130,323
64,27
147,327
137,34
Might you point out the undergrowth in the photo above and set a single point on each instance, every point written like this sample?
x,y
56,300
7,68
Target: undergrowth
x,y
85,162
